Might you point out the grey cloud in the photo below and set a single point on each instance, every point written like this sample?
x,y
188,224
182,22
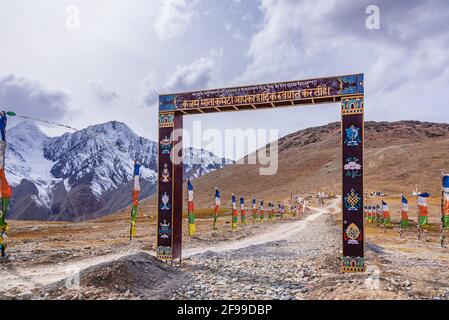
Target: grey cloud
x,y
29,98
150,98
403,22
106,96
151,89
407,59
410,30
196,75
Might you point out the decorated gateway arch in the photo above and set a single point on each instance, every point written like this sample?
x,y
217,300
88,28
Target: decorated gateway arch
x,y
346,90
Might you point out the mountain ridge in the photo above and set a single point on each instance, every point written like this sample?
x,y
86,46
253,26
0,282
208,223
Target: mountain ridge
x,y
398,156
85,174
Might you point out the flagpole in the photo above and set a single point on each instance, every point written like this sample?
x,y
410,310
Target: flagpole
x,y
443,224
401,210
442,237
217,207
190,209
135,198
5,188
417,206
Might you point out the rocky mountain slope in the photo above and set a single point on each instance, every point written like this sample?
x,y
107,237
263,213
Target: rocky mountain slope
x,y
84,174
398,156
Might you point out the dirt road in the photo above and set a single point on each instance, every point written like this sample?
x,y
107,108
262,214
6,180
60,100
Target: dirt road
x,y
285,259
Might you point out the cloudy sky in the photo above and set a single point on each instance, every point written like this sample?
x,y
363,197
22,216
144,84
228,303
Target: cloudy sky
x,y
91,61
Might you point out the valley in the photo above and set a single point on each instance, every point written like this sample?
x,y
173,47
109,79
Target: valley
x,y
286,259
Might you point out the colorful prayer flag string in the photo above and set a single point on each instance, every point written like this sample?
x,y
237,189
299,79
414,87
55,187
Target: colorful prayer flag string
x,y
423,217
261,212
217,207
282,210
279,209
270,211
404,213
379,215
190,209
135,198
234,212
386,215
445,202
242,211
254,207
5,188
368,214
293,210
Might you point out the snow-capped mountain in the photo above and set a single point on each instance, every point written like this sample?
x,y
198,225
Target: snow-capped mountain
x,y
84,174
103,154
200,162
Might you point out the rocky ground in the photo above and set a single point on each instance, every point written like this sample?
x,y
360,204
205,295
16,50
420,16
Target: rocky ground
x,y
282,269
135,276
305,266
288,259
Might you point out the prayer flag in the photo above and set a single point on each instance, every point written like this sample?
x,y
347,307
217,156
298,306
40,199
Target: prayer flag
x,y
404,212
445,202
234,212
423,217
190,209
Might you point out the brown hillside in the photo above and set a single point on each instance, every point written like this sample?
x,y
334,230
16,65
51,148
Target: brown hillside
x,y
398,155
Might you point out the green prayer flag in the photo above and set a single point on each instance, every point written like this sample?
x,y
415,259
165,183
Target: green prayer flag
x,y
423,221
445,222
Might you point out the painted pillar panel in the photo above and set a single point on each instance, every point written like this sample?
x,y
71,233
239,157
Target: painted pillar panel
x,y
164,248
169,189
353,259
177,192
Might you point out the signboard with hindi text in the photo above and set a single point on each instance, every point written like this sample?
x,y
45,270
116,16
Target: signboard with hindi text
x,y
265,95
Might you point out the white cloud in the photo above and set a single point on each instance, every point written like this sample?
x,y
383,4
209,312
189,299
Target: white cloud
x,y
199,74
119,42
174,18
329,38
279,47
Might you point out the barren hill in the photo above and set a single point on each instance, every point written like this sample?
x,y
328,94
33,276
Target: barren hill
x,y
398,155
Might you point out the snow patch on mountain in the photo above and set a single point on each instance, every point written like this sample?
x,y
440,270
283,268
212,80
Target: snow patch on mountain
x,y
66,185
200,162
25,160
77,169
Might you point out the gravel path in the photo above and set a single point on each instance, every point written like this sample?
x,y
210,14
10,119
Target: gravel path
x,y
286,259
280,267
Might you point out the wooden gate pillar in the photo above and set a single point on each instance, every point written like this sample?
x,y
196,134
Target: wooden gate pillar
x,y
352,131
169,201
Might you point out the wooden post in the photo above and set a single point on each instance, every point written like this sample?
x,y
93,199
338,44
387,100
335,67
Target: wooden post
x,y
169,224
352,133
